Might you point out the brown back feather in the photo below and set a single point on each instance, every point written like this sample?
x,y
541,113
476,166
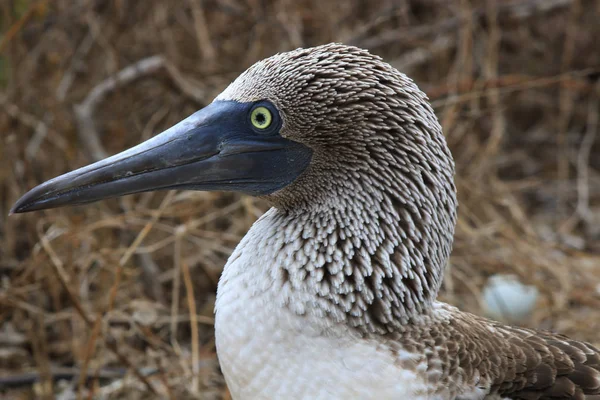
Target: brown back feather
x,y
552,366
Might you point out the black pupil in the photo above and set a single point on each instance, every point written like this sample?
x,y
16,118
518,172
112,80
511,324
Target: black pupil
x,y
261,118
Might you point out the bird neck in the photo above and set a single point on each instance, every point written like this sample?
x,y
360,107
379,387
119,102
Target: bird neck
x,y
371,261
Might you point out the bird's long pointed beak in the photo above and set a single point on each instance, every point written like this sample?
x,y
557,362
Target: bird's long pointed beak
x,y
212,149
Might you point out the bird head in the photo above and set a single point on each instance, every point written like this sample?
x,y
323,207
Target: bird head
x,y
305,128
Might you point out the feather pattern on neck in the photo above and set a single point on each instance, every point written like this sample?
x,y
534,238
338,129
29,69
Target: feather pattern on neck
x,y
369,262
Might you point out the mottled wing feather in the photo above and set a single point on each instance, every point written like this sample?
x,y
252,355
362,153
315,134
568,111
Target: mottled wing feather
x,y
553,366
474,356
526,364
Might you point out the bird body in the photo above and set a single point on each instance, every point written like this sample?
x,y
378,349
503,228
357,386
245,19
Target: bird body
x,y
332,293
269,351
273,342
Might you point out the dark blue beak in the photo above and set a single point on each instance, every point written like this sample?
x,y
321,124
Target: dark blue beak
x,y
217,148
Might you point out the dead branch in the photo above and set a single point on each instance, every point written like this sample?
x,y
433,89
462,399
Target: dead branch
x,y
69,76
84,111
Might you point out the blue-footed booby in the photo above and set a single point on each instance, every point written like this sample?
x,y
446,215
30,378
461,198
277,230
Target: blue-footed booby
x,y
332,292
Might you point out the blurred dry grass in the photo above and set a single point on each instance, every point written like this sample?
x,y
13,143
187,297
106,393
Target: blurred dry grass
x,y
129,283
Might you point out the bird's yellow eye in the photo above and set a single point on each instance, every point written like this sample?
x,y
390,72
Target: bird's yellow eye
x,y
261,117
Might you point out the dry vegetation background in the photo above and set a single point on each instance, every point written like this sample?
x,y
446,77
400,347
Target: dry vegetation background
x,y
122,291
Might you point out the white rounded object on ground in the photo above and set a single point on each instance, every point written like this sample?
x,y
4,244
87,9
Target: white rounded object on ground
x,y
507,299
